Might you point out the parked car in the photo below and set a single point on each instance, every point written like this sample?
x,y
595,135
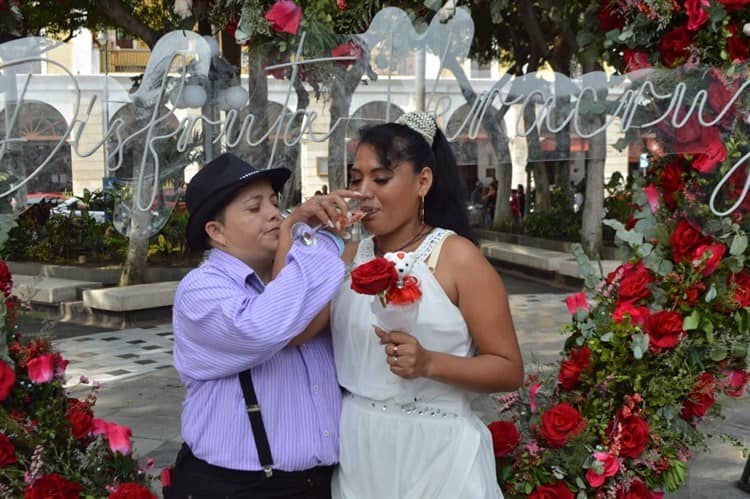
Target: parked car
x,y
73,206
53,198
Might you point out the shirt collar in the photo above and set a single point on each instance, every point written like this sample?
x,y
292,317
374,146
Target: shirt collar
x,y
235,268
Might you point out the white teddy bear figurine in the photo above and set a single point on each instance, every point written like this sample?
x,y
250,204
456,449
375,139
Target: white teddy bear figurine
x,y
404,262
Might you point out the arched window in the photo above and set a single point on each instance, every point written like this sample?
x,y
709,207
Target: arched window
x,y
43,128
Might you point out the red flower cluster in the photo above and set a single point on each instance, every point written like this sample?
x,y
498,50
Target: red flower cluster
x,y
505,437
700,399
52,485
131,490
379,277
560,424
572,367
558,490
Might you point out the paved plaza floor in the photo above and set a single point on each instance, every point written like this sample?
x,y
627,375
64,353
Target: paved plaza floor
x,y
140,388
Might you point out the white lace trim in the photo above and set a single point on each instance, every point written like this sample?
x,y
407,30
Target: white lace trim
x,y
366,250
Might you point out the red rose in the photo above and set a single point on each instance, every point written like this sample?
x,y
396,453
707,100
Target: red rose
x,y
732,5
81,419
712,151
52,486
374,277
7,379
736,45
720,93
734,186
609,466
634,284
688,136
346,49
664,330
694,292
560,423
700,399
634,436
609,17
671,181
41,369
505,437
284,16
557,491
131,490
715,251
734,383
637,490
7,451
571,368
674,46
684,239
635,60
696,12
740,282
638,315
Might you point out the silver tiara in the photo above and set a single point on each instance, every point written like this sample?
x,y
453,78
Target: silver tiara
x,y
420,122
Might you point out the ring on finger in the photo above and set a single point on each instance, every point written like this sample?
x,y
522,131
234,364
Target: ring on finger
x,y
395,359
395,351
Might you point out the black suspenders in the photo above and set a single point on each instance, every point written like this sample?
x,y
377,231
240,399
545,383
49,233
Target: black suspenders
x,y
256,422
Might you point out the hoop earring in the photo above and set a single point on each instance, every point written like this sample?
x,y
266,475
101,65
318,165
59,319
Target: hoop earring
x,y
420,214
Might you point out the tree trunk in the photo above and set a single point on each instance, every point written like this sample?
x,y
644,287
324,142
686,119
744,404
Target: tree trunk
x,y
134,269
593,203
258,103
536,159
342,90
494,125
593,207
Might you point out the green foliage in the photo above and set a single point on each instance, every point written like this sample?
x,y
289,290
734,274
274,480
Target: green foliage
x,y
54,238
559,222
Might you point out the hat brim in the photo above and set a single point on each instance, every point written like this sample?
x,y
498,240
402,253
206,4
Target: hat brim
x,y
196,235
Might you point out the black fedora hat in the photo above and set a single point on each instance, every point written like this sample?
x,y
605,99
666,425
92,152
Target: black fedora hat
x,y
215,185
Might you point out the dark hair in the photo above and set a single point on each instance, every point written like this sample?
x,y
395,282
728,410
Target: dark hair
x,y
445,203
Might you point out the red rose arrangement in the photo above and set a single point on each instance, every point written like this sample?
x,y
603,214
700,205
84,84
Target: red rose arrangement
x,y
661,343
380,278
51,445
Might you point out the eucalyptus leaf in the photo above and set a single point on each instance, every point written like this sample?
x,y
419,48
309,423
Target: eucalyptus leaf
x,y
719,353
691,322
739,245
640,343
711,293
607,337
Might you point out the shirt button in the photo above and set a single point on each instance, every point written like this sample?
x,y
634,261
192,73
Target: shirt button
x,y
326,434
316,388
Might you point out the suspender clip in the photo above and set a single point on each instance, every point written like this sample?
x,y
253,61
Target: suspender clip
x,y
253,408
268,471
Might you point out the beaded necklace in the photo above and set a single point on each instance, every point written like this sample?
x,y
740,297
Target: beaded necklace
x,y
423,231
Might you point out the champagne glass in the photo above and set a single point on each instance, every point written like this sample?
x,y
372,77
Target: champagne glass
x,y
345,220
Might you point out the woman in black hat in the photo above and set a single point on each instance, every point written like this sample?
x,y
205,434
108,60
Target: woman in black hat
x,y
261,411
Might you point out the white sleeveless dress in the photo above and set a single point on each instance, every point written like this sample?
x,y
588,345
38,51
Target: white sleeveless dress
x,y
407,439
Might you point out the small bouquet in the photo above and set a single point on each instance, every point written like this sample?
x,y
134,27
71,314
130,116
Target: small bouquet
x,y
398,292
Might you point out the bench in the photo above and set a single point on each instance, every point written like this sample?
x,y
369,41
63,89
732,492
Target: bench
x,y
50,290
131,298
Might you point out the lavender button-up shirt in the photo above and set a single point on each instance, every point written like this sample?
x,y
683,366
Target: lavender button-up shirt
x,y
225,321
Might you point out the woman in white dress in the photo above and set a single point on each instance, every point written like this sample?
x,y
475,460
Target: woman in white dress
x,y
407,430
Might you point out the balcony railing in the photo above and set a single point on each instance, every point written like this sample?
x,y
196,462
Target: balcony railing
x,y
125,60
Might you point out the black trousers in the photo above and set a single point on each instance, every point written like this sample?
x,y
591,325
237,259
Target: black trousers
x,y
193,478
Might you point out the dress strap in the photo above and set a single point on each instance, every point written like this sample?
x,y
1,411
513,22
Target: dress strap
x,y
430,243
436,247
